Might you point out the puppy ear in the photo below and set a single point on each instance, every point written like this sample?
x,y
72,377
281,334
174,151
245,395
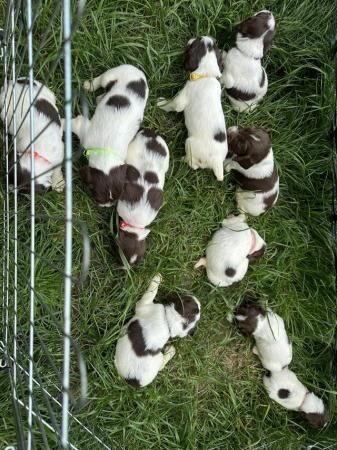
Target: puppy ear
x,y
193,55
117,177
253,27
131,193
253,257
245,161
155,197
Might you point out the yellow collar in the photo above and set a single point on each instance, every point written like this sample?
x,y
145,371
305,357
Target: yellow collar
x,y
194,76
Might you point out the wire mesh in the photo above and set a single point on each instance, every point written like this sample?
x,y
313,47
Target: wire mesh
x,y
45,366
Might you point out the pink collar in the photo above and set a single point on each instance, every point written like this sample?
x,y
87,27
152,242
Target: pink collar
x,y
37,156
253,241
124,224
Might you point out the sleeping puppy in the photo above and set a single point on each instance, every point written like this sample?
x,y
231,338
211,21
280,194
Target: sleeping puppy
x,y
142,195
139,356
48,152
272,344
244,77
285,388
254,169
200,99
230,251
106,136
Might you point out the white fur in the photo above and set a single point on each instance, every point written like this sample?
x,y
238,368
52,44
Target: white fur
x,y
110,127
159,323
252,202
200,101
272,345
299,399
48,144
243,69
141,214
229,248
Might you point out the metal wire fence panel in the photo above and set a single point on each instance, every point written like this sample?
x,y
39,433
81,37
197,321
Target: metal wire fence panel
x,y
46,369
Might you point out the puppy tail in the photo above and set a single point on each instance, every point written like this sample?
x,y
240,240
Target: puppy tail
x,y
201,263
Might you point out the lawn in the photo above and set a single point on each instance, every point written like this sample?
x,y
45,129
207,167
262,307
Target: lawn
x,y
211,395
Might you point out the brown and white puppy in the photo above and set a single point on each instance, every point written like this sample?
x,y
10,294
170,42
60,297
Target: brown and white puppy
x,y
244,78
142,195
254,169
200,99
106,136
231,250
139,355
286,389
272,344
48,152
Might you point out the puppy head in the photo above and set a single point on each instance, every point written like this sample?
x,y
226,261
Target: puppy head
x,y
104,188
248,146
133,245
317,420
314,411
247,316
203,53
260,28
188,307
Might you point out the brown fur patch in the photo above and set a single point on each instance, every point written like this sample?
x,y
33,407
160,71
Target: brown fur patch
x,y
135,334
242,96
230,272
283,393
256,184
220,136
148,132
151,177
23,80
269,201
254,26
254,257
118,101
138,87
317,420
132,193
263,78
251,310
155,197
185,305
268,40
110,85
133,382
193,54
154,146
131,246
47,109
132,174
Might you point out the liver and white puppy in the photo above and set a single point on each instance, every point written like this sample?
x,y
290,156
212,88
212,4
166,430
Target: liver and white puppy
x,y
139,355
142,195
286,389
107,135
254,169
48,149
244,77
272,344
230,251
200,99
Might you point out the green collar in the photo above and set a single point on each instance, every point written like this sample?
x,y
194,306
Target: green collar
x,y
100,151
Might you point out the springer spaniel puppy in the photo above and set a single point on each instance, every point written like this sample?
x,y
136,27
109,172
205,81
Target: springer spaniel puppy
x,y
286,389
48,146
254,169
139,355
142,195
244,78
200,99
107,135
230,251
272,344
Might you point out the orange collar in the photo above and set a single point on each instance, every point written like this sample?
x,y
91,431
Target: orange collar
x,y
253,241
37,156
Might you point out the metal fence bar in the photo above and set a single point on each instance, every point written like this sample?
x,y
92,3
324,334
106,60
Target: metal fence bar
x,y
32,230
68,218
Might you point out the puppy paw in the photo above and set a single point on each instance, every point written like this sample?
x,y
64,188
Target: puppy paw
x,y
59,187
170,351
200,263
87,85
157,279
255,350
228,167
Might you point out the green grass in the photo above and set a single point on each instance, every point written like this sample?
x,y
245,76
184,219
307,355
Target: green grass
x,y
210,396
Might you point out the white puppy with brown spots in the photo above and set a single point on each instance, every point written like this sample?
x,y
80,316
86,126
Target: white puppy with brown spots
x,y
139,355
106,136
272,344
231,250
142,195
286,389
254,169
244,78
200,100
